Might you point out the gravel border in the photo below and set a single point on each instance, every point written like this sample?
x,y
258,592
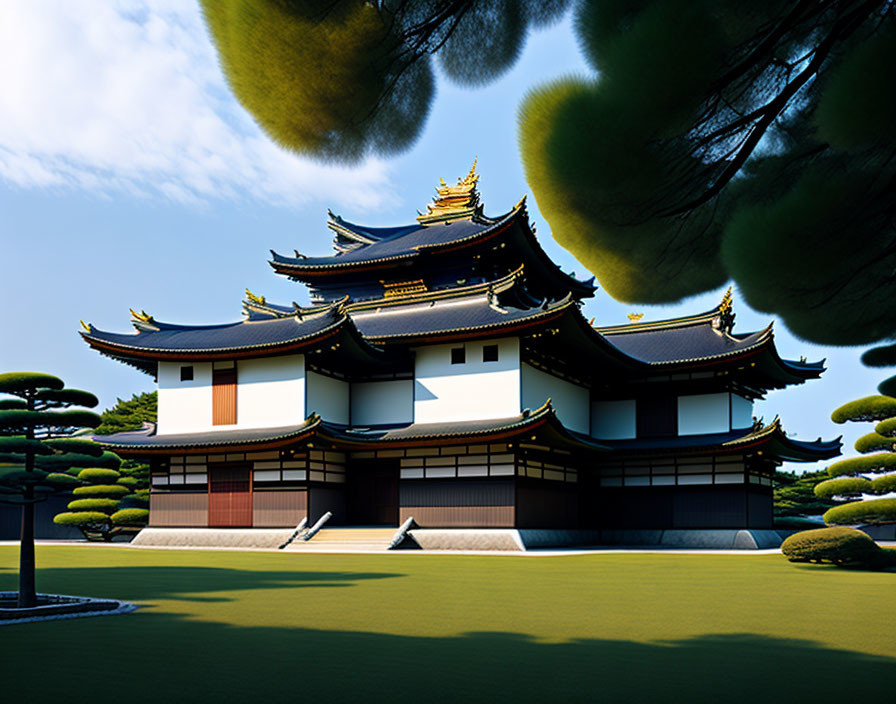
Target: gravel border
x,y
117,607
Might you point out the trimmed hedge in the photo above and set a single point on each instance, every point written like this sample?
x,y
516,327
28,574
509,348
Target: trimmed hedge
x,y
869,408
97,474
108,505
131,517
845,486
860,465
872,442
101,490
81,518
62,479
127,481
11,382
80,446
873,511
838,546
887,428
884,484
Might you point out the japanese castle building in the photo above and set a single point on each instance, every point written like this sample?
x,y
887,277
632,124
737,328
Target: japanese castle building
x,y
445,372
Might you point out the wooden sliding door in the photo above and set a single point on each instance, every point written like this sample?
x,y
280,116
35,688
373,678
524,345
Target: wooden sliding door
x,y
224,396
230,497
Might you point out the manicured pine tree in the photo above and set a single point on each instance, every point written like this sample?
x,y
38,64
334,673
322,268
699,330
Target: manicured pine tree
x,y
130,414
872,473
106,504
37,452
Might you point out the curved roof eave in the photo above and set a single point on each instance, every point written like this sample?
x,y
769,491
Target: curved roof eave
x,y
144,442
354,261
111,344
769,438
544,417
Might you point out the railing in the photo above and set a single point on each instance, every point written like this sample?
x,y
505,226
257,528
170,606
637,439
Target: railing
x,y
401,533
317,526
295,533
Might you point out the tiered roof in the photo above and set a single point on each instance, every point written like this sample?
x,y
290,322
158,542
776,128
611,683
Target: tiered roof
x,y
542,422
401,301
770,439
707,341
304,330
453,244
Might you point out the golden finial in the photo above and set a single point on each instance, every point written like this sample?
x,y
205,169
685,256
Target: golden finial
x,y
453,202
87,326
471,177
259,300
635,317
591,322
142,316
725,305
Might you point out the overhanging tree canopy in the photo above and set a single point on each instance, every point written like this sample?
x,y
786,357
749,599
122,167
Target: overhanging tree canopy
x,y
716,139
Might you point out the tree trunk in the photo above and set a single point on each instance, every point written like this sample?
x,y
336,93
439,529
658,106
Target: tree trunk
x,y
27,590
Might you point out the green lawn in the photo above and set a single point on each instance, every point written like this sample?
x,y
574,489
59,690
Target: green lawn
x,y
233,626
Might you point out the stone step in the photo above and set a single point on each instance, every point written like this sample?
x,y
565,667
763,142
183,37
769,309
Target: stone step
x,y
347,539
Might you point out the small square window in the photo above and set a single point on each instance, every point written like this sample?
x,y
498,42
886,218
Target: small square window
x,y
490,353
186,373
458,355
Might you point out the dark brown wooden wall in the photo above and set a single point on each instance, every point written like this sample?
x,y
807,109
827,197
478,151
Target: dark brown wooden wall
x,y
542,504
181,509
224,396
323,499
737,506
458,504
278,508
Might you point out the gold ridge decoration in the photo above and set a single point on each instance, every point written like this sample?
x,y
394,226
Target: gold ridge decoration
x,y
635,317
392,289
143,321
87,327
142,316
453,202
258,300
725,320
726,303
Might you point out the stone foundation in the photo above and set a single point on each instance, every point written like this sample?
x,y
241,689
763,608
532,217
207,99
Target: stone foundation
x,y
213,537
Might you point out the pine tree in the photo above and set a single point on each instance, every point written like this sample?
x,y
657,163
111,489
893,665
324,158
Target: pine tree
x,y
873,473
37,452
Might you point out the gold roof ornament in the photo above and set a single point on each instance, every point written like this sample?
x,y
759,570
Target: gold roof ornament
x,y
143,321
726,303
87,327
725,320
453,202
635,317
259,300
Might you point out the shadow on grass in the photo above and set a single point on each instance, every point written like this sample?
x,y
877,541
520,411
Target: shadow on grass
x,y
141,583
155,656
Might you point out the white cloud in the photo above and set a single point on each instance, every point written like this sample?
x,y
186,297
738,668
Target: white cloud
x,y
127,96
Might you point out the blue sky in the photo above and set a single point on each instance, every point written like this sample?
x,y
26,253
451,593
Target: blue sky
x,y
129,177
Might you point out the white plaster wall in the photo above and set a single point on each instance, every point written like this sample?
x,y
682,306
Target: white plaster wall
x,y
614,420
382,402
475,390
703,413
328,397
741,412
270,392
571,402
184,406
